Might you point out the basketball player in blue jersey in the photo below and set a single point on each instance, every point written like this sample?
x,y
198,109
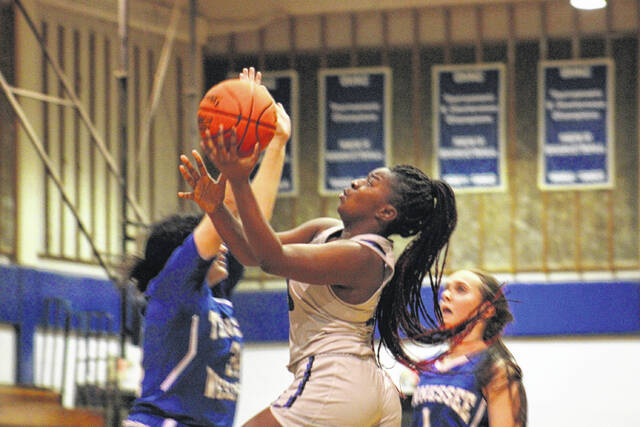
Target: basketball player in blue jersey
x,y
342,277
476,382
192,341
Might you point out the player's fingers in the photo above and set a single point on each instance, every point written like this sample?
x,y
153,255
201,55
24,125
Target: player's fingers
x,y
206,143
233,144
255,154
206,150
201,167
219,144
185,195
188,178
186,163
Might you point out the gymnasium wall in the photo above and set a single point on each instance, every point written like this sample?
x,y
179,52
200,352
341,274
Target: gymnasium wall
x,y
539,231
83,144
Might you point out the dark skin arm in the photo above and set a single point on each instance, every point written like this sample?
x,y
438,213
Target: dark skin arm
x,y
265,183
209,194
357,269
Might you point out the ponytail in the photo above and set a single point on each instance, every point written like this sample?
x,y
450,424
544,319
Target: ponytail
x,y
427,210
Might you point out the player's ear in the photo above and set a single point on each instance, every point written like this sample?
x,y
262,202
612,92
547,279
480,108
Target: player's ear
x,y
386,213
488,310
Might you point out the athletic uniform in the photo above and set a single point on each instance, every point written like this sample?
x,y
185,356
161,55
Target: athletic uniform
x,y
191,350
337,380
449,395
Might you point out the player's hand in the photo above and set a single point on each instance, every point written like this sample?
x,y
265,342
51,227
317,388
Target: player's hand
x,y
224,154
251,75
207,192
283,127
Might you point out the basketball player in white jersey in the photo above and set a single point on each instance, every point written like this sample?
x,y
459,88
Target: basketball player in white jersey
x,y
342,278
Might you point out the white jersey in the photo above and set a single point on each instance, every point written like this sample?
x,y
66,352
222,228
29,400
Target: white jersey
x,y
320,322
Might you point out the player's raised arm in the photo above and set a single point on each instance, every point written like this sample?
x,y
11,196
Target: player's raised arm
x,y
208,194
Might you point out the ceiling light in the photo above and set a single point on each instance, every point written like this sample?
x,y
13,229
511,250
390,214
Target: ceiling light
x,y
588,4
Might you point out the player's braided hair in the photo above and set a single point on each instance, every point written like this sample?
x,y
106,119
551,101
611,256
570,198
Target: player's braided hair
x,y
426,209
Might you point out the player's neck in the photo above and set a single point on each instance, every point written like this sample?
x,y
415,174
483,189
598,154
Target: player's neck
x,y
355,229
472,343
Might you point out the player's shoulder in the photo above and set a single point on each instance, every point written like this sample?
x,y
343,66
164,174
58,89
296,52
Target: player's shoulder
x,y
308,230
323,223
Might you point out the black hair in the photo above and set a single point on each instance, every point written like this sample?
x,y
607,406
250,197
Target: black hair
x,y
427,210
164,237
235,270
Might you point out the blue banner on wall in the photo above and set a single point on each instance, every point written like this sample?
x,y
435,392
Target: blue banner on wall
x,y
355,124
575,119
283,86
469,126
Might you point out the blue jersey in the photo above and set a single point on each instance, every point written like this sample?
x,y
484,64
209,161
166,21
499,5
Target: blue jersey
x,y
450,396
191,349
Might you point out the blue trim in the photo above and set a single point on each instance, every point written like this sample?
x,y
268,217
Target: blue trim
x,y
303,383
375,245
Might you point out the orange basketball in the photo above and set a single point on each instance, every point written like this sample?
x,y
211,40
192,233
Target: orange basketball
x,y
241,104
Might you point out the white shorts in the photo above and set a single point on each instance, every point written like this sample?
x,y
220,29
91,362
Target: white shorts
x,y
339,390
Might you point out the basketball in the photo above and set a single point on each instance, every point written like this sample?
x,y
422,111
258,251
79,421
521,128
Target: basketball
x,y
242,104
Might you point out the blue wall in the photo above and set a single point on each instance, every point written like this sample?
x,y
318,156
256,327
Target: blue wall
x,y
23,304
540,309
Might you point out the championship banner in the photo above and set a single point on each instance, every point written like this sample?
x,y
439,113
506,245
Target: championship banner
x,y
283,86
355,124
469,126
575,117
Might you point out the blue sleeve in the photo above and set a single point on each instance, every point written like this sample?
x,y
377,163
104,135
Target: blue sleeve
x,y
174,280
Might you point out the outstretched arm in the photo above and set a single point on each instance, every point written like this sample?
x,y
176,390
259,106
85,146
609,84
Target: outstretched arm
x,y
209,194
265,183
343,262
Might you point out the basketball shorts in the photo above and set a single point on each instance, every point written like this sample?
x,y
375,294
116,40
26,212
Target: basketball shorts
x,y
339,390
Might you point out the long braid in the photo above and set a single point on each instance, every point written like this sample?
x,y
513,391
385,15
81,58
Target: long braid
x,y
426,209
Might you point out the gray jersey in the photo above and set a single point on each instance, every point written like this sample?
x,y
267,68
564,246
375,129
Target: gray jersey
x,y
320,322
